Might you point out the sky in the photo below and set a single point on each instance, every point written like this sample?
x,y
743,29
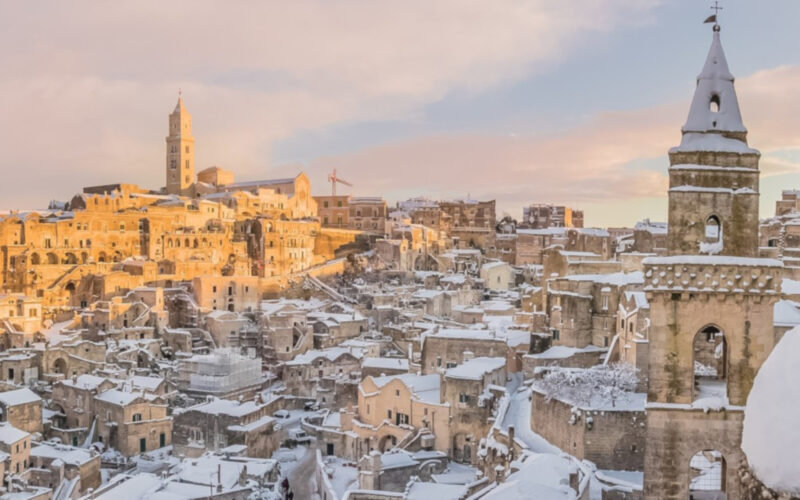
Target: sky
x,y
534,101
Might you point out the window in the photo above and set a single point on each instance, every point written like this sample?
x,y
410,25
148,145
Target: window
x,y
187,163
463,398
137,417
713,228
605,302
389,414
397,392
325,204
187,149
714,104
173,164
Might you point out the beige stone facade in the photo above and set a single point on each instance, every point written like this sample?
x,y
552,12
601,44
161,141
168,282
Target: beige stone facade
x,y
711,302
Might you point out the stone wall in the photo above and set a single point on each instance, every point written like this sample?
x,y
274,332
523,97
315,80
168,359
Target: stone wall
x,y
610,439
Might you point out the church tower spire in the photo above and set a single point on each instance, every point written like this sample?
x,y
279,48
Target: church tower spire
x,y
180,151
713,175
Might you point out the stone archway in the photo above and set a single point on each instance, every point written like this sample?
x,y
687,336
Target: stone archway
x,y
60,366
386,443
709,349
707,476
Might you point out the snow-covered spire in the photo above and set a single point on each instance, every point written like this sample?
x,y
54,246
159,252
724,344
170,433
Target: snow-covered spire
x,y
715,107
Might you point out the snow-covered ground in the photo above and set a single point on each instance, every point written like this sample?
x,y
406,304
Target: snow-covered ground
x,y
518,414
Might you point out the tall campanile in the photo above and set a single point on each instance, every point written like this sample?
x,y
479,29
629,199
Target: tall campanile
x,y
711,300
180,151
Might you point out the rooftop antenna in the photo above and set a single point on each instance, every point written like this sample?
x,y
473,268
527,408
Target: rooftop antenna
x,y
714,17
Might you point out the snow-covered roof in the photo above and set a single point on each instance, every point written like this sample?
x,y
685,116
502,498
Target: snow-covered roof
x,y
425,387
385,363
715,83
19,397
331,354
475,368
540,476
10,434
618,279
67,454
117,397
786,313
770,434
562,351
227,407
712,260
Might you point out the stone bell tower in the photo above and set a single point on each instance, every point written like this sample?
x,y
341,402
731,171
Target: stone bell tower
x,y
180,152
713,175
711,300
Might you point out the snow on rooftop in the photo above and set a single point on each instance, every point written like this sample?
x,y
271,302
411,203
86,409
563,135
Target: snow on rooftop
x,y
227,407
540,476
562,352
786,313
711,260
618,279
10,434
770,434
475,368
715,85
425,387
385,363
67,454
331,354
426,491
19,397
790,286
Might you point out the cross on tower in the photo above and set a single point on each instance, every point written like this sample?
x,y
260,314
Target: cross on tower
x,y
716,8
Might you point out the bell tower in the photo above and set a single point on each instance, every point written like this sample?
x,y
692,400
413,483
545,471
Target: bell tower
x,y
713,174
180,151
711,300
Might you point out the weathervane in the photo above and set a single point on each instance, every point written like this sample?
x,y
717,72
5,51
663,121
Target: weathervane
x,y
713,18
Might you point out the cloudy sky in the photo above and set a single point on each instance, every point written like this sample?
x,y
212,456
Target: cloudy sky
x,y
572,102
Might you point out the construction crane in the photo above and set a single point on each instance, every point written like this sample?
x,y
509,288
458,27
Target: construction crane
x,y
334,179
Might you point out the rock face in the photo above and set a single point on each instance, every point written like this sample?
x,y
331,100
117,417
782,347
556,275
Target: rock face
x,y
771,436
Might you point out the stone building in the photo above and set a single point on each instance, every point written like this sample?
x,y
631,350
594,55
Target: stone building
x,y
368,214
472,389
448,348
305,375
583,308
709,298
53,463
399,410
22,408
542,216
610,437
131,422
16,443
220,423
473,222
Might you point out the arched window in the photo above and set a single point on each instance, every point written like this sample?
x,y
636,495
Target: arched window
x,y
714,104
710,364
713,228
707,474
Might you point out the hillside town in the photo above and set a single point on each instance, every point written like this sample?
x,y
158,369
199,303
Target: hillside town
x,y
234,339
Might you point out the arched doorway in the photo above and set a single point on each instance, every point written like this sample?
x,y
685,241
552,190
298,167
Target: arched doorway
x,y
387,443
710,364
60,366
707,471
